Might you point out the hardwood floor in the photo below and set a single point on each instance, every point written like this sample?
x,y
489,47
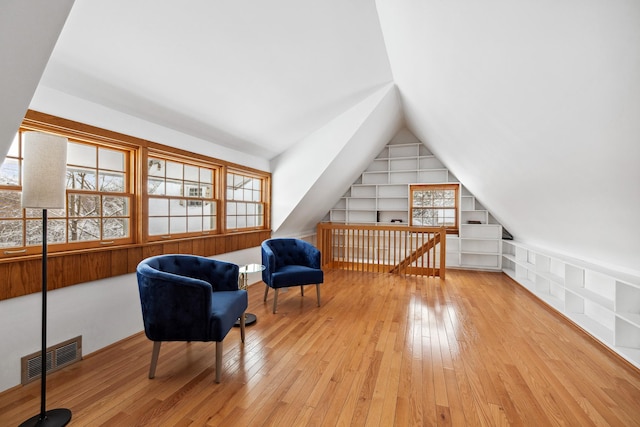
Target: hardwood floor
x,y
383,350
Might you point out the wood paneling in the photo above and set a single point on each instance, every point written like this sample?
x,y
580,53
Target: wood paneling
x,y
23,276
474,349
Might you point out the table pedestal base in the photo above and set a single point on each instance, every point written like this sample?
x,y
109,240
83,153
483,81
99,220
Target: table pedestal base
x,y
249,318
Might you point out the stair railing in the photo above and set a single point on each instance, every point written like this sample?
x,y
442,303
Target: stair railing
x,y
400,249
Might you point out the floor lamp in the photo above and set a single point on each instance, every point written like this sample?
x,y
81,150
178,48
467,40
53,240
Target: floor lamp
x,y
43,187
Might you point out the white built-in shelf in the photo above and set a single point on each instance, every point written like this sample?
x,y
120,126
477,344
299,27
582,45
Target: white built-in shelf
x,y
381,195
603,302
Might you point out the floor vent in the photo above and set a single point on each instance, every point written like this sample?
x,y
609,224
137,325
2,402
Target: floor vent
x,y
58,356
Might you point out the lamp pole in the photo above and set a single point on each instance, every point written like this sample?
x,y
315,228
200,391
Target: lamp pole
x,y
43,186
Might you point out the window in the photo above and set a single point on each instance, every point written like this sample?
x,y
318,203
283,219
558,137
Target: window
x,y
435,205
245,201
181,198
126,198
123,190
98,208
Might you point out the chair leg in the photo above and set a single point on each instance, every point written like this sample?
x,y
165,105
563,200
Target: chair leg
x,y
218,361
318,292
154,359
243,318
266,291
275,300
302,290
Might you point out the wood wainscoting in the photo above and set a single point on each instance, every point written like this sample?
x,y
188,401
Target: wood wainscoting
x,y
474,349
22,275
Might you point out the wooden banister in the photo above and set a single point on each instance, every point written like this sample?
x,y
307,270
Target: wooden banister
x,y
383,248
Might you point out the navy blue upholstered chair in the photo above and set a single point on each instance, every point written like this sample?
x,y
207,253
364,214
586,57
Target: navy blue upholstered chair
x,y
290,262
189,298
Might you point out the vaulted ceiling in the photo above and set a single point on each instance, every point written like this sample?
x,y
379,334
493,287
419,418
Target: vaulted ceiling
x,y
534,106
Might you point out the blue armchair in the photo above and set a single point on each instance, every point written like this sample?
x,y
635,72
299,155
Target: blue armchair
x,y
189,298
290,262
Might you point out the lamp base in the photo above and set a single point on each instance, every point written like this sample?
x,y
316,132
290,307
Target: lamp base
x,y
53,418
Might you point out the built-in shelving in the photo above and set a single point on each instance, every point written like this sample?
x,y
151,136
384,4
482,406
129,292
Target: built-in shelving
x,y
605,303
381,196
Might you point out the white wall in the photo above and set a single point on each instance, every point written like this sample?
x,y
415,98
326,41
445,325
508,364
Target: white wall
x,y
63,105
102,312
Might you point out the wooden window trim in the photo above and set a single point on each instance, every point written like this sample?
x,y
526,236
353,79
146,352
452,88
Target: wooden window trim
x,y
77,265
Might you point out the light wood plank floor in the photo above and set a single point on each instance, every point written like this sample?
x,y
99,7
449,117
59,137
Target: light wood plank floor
x,y
383,350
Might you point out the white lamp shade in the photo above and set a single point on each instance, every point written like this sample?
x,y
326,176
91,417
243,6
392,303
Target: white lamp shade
x,y
44,169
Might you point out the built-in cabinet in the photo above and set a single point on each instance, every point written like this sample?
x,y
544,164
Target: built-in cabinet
x,y
604,303
381,196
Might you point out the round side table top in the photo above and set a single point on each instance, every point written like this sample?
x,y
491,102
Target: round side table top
x,y
252,268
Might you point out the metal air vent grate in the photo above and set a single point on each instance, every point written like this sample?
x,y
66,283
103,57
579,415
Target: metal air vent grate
x,y
58,356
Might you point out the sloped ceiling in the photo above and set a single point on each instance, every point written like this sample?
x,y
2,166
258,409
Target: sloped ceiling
x,y
255,76
533,105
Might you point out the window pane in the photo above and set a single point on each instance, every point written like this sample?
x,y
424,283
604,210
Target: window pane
x,y
10,234
206,191
112,182
10,172
177,207
84,230
231,222
156,186
241,208
174,170
115,228
194,208
178,225
81,155
206,175
156,167
192,189
10,206
115,206
174,188
209,223
194,224
56,231
84,205
34,233
209,208
158,207
158,226
191,173
111,159
81,179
